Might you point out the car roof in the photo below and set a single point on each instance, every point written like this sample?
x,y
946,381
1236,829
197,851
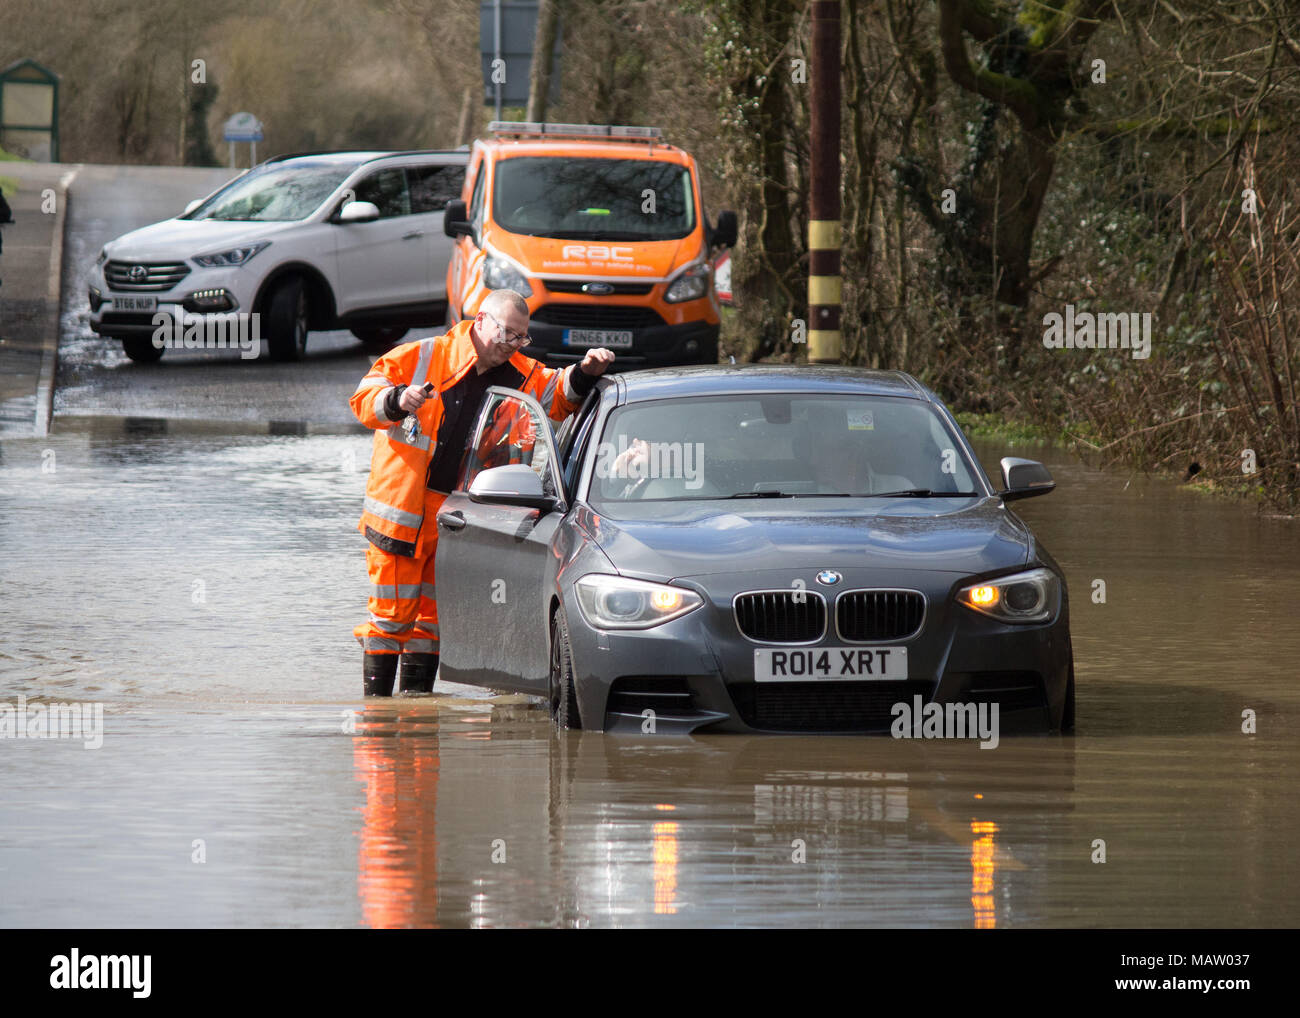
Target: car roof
x,y
729,379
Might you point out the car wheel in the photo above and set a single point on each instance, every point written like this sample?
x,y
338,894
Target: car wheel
x,y
1067,715
381,338
141,349
564,699
286,325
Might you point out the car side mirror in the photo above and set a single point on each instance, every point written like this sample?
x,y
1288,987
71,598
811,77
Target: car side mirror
x,y
724,234
515,484
359,212
455,220
1024,479
192,206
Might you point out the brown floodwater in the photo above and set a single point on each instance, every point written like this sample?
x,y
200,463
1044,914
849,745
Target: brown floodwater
x,y
199,585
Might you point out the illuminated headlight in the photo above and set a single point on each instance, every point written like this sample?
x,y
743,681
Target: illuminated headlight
x,y
209,300
690,285
614,602
1032,596
235,256
499,274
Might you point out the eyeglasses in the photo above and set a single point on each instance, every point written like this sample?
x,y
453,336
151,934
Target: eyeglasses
x,y
511,338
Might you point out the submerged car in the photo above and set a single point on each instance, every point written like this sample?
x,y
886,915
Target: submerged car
x,y
754,549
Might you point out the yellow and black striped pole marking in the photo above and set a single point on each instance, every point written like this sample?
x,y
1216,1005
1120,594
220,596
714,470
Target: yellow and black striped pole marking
x,y
825,285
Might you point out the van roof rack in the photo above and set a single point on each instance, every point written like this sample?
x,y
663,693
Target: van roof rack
x,y
532,129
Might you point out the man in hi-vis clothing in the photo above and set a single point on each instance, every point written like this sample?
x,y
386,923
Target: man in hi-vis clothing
x,y
419,442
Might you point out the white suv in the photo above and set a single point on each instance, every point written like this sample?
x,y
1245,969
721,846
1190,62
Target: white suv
x,y
328,240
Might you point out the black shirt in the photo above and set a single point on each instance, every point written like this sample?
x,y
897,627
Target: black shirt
x,y
460,406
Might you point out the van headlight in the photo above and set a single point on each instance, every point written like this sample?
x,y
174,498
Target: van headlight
x,y
690,285
1032,596
616,602
235,256
499,274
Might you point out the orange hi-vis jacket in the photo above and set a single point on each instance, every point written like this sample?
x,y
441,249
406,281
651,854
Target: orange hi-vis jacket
x,y
395,493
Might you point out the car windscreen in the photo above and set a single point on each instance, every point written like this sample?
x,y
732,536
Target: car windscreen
x,y
276,193
777,445
593,199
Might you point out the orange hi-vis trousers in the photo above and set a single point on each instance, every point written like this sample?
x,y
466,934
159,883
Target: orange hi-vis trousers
x,y
403,604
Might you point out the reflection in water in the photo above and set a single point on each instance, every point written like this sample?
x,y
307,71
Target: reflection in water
x,y
665,856
983,866
397,862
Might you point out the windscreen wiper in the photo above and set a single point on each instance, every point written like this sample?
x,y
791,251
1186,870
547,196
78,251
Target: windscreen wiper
x,y
923,493
761,494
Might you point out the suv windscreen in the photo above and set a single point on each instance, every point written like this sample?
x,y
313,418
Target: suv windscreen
x,y
593,199
277,193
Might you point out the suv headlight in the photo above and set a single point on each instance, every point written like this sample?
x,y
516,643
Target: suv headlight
x,y
690,285
1032,596
615,602
499,274
235,256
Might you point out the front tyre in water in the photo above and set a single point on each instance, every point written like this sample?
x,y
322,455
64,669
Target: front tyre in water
x,y
564,698
286,321
141,349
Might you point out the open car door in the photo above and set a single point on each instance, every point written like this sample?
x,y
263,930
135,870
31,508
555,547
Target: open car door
x,y
494,545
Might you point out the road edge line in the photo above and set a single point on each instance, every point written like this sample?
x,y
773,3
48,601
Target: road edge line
x,y
50,348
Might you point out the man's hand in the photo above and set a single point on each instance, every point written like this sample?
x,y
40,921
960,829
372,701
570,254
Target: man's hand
x,y
596,361
413,398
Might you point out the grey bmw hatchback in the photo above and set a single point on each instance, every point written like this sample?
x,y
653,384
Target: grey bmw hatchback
x,y
749,549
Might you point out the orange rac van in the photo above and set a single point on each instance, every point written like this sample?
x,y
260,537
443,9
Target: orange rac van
x,y
602,229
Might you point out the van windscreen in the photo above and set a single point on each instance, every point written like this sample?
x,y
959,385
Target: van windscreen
x,y
593,199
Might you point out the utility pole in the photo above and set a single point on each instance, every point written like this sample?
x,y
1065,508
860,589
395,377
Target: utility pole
x,y
539,79
825,284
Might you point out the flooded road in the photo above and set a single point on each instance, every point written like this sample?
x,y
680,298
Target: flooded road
x,y
200,583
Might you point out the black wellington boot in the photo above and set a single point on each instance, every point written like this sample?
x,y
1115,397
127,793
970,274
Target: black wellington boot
x,y
418,671
378,672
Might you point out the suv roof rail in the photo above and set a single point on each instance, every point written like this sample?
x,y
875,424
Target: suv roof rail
x,y
533,129
369,152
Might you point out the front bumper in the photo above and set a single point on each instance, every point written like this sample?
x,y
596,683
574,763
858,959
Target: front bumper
x,y
181,303
697,672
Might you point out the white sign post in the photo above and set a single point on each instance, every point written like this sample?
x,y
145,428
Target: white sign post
x,y
243,127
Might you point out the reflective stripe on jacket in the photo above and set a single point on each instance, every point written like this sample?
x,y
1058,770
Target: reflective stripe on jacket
x,y
394,506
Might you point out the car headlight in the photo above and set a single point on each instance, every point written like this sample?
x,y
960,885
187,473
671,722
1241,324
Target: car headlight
x,y
690,285
235,256
615,602
499,274
1032,596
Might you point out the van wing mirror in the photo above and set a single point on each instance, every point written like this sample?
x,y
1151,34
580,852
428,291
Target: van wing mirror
x,y
455,220
724,233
